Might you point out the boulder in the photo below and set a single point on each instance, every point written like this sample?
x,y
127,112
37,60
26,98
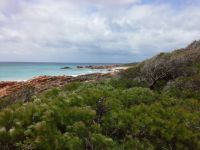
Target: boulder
x,y
79,67
66,68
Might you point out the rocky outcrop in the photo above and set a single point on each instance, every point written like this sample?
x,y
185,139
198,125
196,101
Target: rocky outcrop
x,y
65,68
100,67
5,84
79,67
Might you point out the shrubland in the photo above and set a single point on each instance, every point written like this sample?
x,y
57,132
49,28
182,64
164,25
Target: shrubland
x,y
153,105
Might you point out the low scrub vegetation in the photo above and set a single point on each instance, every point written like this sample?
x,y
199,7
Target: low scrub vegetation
x,y
111,114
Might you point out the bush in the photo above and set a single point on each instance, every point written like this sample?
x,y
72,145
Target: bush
x,y
102,115
135,96
185,87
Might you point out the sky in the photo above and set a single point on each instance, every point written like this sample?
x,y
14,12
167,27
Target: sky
x,y
119,31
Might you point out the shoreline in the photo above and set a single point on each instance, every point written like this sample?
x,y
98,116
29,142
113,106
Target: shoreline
x,y
11,92
24,90
114,69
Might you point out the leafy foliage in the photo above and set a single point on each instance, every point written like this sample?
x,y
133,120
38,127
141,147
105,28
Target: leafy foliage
x,y
102,115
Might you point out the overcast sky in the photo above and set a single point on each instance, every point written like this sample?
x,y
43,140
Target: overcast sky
x,y
95,30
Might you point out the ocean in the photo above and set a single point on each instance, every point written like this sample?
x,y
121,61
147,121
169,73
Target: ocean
x,y
21,71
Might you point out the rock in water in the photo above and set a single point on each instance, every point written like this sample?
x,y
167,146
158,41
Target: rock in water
x,y
65,68
79,67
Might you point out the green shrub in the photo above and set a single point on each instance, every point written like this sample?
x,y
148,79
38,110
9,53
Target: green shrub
x,y
185,87
135,96
110,114
72,86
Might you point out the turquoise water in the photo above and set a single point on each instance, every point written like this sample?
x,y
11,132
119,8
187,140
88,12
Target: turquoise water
x,y
10,71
